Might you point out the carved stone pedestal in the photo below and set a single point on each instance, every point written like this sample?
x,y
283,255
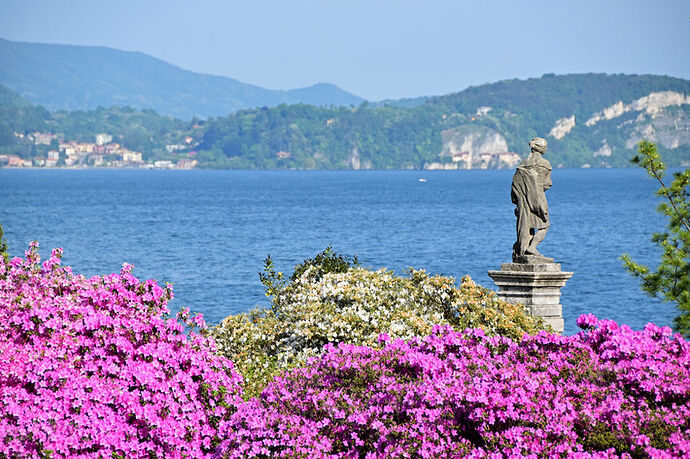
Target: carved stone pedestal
x,y
537,286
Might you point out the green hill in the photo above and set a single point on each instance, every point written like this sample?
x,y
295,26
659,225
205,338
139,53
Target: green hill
x,y
588,119
17,115
84,77
140,130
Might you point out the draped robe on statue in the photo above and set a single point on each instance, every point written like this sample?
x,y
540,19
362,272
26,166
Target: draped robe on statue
x,y
527,193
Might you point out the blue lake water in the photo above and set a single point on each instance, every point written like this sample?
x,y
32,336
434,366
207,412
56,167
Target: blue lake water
x,y
209,231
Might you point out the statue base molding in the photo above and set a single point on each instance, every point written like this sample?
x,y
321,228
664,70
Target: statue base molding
x,y
536,285
532,259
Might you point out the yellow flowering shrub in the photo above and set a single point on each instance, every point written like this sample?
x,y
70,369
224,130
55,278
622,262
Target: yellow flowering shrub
x,y
355,307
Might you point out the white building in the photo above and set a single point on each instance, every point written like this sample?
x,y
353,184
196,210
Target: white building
x,y
131,156
163,164
102,139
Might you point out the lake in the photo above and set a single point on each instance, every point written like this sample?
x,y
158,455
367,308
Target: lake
x,y
209,231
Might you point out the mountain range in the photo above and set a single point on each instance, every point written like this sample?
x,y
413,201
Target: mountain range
x,y
69,77
589,119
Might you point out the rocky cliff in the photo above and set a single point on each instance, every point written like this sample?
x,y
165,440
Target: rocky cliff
x,y
662,117
472,146
607,137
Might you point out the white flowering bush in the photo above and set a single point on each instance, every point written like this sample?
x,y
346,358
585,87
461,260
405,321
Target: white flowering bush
x,y
355,307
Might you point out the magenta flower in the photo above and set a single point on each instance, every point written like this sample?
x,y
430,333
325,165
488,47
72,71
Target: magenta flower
x,y
607,392
95,368
198,320
586,321
92,367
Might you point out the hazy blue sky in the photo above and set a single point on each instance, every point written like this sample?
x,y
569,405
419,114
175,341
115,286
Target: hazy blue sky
x,y
375,49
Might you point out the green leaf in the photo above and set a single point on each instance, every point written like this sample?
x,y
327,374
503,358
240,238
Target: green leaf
x,y
671,280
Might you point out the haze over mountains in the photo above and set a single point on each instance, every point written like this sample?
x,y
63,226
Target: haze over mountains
x,y
68,77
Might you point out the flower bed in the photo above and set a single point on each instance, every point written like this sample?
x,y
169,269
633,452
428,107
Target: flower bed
x,y
92,367
355,307
606,392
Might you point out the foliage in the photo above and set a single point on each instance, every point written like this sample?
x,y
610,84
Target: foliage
x,y
671,280
273,280
327,261
18,115
561,95
93,367
4,251
605,392
388,135
400,137
355,306
323,137
139,130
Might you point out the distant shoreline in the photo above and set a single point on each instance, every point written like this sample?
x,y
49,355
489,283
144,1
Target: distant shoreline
x,y
421,171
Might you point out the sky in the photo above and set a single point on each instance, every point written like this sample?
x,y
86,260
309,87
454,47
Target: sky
x,y
376,49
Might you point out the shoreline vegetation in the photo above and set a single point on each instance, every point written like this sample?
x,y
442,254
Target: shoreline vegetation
x,y
419,171
346,362
589,120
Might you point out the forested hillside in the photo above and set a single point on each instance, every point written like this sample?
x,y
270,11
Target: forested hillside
x,y
655,107
589,120
303,136
540,102
144,130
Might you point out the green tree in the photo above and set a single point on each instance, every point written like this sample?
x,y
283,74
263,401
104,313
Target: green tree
x,y
671,280
3,248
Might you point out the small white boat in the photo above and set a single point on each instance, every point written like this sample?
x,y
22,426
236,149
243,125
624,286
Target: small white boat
x,y
422,180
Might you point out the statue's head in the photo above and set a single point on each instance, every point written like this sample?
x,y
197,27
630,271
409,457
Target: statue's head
x,y
538,144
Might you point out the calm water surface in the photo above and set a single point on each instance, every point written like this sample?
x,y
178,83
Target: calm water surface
x,y
209,231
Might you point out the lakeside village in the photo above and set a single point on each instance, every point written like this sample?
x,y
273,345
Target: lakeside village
x,y
50,150
101,153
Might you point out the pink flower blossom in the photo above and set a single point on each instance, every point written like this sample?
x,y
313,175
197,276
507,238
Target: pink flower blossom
x,y
606,392
586,321
93,368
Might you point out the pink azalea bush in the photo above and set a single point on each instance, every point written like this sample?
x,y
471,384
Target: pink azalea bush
x,y
605,392
92,367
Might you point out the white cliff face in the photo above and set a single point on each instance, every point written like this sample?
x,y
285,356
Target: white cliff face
x,y
478,143
562,127
605,150
472,146
652,105
666,128
608,113
656,101
474,140
354,159
441,166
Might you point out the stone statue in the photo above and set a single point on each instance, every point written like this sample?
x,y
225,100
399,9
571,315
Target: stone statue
x,y
532,178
